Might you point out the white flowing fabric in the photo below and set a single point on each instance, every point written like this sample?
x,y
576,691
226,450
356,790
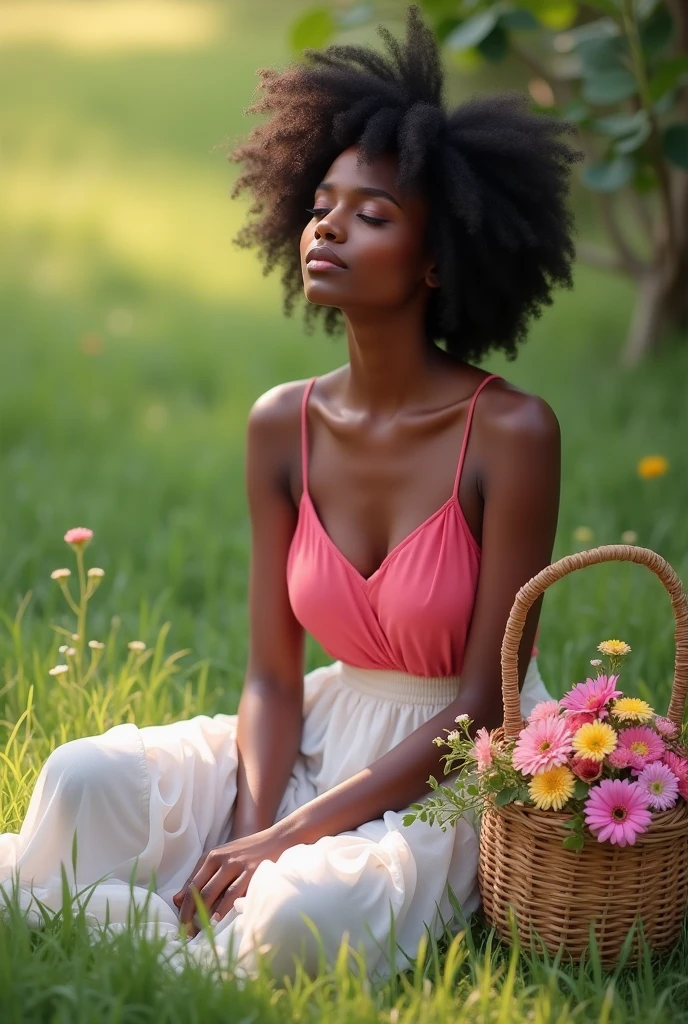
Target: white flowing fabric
x,y
146,803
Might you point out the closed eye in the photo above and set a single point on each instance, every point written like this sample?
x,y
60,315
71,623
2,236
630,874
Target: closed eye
x,y
320,211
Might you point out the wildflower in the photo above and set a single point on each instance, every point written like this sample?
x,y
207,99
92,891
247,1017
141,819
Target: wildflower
x,y
629,537
621,758
461,718
592,696
75,636
70,652
96,645
541,746
595,740
595,662
585,768
58,670
665,727
95,572
545,709
651,466
453,735
138,645
660,784
62,649
482,749
617,810
644,743
583,534
60,574
552,789
79,537
438,741
614,648
632,709
679,767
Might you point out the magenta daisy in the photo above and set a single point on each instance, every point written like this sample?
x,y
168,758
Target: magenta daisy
x,y
679,767
643,743
542,745
665,727
617,810
660,784
545,709
592,696
482,749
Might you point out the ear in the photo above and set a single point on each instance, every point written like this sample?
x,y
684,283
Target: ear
x,y
432,278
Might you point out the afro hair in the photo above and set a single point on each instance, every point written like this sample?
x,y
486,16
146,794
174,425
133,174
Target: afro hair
x,y
495,173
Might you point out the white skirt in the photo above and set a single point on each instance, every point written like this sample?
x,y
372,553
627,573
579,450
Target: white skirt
x,y
146,803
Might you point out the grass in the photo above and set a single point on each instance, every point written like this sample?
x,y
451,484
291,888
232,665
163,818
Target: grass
x,y
135,339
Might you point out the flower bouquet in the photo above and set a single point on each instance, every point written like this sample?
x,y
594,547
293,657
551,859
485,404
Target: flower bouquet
x,y
583,809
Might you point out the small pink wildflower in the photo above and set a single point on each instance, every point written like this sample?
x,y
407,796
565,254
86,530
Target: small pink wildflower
x,y
617,810
679,767
660,784
591,696
575,719
620,758
483,749
78,536
643,743
665,727
542,745
545,709
585,768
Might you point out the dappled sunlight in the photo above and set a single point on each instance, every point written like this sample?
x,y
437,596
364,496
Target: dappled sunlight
x,y
103,26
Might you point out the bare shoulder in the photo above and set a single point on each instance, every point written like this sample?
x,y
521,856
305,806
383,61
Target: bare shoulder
x,y
509,416
277,410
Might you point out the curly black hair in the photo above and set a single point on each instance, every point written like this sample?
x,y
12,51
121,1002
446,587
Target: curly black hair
x,y
496,175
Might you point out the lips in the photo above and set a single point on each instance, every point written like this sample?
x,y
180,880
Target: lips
x,y
321,257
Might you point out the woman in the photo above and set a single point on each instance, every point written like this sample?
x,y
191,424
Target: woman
x,y
435,237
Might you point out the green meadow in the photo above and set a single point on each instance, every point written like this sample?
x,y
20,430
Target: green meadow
x,y
135,338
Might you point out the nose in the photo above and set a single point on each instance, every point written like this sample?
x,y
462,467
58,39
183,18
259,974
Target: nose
x,y
330,229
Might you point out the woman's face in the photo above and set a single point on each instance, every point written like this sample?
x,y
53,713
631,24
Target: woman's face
x,y
364,246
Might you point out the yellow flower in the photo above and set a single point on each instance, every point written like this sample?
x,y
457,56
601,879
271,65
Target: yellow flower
x,y
651,466
595,740
551,789
583,534
614,648
632,709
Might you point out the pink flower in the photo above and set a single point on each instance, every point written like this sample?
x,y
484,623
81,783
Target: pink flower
x,y
542,745
575,719
591,696
660,784
79,536
545,709
679,767
617,810
643,744
585,768
482,749
665,727
620,758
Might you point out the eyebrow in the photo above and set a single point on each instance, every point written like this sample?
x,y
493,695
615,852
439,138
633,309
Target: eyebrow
x,y
363,190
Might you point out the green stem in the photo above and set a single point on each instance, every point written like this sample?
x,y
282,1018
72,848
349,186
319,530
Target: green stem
x,y
81,614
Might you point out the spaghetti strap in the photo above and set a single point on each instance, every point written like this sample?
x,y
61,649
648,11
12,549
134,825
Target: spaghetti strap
x,y
304,434
467,430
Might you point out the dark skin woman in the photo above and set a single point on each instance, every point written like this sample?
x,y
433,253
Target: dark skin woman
x,y
430,257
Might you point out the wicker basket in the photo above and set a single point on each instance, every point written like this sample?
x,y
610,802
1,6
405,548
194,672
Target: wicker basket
x,y
524,868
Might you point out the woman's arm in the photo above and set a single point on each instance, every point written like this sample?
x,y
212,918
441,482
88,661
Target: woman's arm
x,y
515,458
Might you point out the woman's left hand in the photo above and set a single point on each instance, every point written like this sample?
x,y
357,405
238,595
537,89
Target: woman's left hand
x,y
224,874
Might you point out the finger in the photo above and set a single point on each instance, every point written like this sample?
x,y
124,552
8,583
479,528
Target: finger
x,y
215,888
179,896
234,891
200,879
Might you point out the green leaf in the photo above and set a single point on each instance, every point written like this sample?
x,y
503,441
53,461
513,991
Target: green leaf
x,y
609,175
580,792
409,819
657,32
506,797
667,76
604,6
620,124
313,29
675,144
518,19
495,46
445,27
574,843
629,143
601,54
609,86
575,110
472,31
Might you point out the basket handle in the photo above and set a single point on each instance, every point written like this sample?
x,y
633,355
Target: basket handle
x,y
529,593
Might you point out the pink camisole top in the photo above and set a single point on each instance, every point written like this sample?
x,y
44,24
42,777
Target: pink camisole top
x,y
414,612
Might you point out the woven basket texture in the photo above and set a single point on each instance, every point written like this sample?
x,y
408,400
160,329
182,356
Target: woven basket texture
x,y
524,870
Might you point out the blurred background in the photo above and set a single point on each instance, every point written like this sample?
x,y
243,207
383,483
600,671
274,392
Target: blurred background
x,y
135,336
